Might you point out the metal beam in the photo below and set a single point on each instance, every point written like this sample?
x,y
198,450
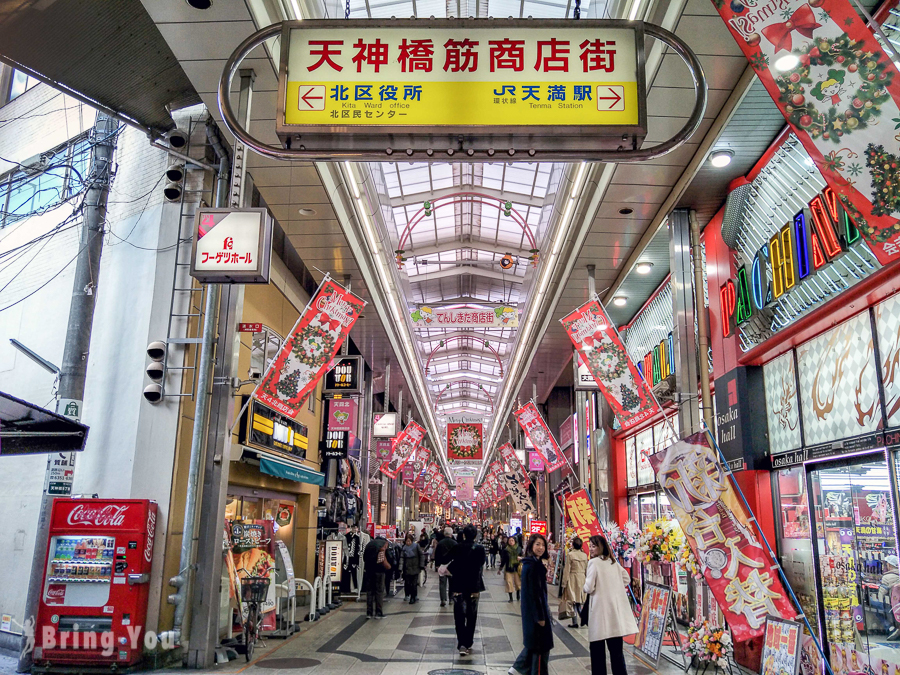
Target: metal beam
x,y
459,355
456,245
477,336
465,269
421,197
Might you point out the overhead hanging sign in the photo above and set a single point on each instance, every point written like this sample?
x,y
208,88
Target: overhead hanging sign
x,y
385,425
599,345
342,414
534,426
717,528
345,376
465,317
409,83
517,487
836,96
415,465
232,246
511,459
308,350
581,514
464,442
404,446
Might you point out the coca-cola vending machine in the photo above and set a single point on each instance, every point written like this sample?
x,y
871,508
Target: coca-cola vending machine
x,y
96,582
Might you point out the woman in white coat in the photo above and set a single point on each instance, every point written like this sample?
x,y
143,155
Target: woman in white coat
x,y
610,615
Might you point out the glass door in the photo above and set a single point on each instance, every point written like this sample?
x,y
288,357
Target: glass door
x,y
857,562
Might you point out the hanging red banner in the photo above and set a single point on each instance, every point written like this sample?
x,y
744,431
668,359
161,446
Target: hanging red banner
x,y
404,446
432,481
837,89
416,465
511,459
601,349
531,421
464,442
305,355
717,528
581,514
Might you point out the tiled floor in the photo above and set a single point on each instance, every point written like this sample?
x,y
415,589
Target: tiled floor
x,y
418,639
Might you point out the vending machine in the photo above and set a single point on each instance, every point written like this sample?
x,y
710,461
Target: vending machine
x,y
96,582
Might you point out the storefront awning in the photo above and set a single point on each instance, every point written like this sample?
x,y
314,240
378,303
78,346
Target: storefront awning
x,y
290,470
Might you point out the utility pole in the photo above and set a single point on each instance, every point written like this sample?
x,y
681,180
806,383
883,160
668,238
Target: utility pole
x,y
72,376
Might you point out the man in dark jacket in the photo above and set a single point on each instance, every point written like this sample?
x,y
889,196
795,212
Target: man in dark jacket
x,y
376,565
442,557
466,584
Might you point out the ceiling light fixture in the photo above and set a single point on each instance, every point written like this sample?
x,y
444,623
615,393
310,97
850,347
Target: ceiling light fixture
x,y
620,301
200,4
625,211
307,212
721,158
787,62
643,267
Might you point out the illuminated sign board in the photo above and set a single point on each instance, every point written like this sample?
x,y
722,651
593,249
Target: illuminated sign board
x,y
420,85
345,377
659,362
232,246
813,238
270,430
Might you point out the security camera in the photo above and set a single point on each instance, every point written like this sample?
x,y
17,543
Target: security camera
x,y
255,374
175,172
177,139
157,350
156,370
153,393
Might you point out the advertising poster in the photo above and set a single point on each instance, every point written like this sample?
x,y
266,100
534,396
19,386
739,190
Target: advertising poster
x,y
534,426
837,89
535,461
598,343
253,553
580,513
718,530
403,448
383,448
464,442
511,460
334,559
342,414
465,488
312,343
781,647
652,621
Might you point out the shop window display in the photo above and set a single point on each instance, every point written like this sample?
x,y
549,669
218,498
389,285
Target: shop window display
x,y
644,448
630,462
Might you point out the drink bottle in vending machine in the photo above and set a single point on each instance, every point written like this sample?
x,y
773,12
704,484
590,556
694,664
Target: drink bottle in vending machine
x,y
96,582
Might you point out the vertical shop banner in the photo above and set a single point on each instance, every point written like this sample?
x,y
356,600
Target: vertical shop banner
x,y
415,466
464,442
465,486
840,96
306,353
534,426
581,515
600,347
431,481
404,446
718,530
518,490
511,459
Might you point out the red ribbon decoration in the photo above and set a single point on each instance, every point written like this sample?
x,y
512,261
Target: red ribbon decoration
x,y
803,21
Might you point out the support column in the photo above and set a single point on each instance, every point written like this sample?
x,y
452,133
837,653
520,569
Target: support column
x,y
683,335
367,407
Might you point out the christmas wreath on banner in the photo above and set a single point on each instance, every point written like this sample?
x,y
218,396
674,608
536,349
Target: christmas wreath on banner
x,y
313,347
465,441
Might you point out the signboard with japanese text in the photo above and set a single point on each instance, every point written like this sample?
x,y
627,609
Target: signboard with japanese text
x,y
345,376
403,448
517,488
535,461
718,530
781,647
335,445
385,425
584,381
491,317
265,429
537,431
342,414
580,513
835,93
306,354
415,465
410,83
232,246
600,346
652,621
383,448
538,527
464,442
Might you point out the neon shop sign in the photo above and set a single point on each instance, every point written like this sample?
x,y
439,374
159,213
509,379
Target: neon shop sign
x,y
815,236
659,362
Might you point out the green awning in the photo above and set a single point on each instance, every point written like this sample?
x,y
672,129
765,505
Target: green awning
x,y
291,471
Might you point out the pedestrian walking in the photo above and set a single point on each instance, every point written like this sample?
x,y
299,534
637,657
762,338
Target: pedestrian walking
x,y
494,550
610,617
537,633
574,573
376,566
509,566
466,584
442,557
413,562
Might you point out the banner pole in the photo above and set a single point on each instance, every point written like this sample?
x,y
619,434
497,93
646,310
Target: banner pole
x,y
762,535
244,407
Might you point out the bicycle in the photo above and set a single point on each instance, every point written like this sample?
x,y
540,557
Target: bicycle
x,y
253,592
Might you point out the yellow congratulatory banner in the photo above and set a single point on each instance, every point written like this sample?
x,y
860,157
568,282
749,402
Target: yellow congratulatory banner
x,y
460,77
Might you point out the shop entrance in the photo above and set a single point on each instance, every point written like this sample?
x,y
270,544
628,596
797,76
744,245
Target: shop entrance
x,y
856,562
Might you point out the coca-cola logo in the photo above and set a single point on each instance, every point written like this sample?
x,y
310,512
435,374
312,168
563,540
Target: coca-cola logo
x,y
106,516
56,594
151,531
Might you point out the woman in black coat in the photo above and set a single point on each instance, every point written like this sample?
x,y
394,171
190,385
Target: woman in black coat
x,y
537,633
